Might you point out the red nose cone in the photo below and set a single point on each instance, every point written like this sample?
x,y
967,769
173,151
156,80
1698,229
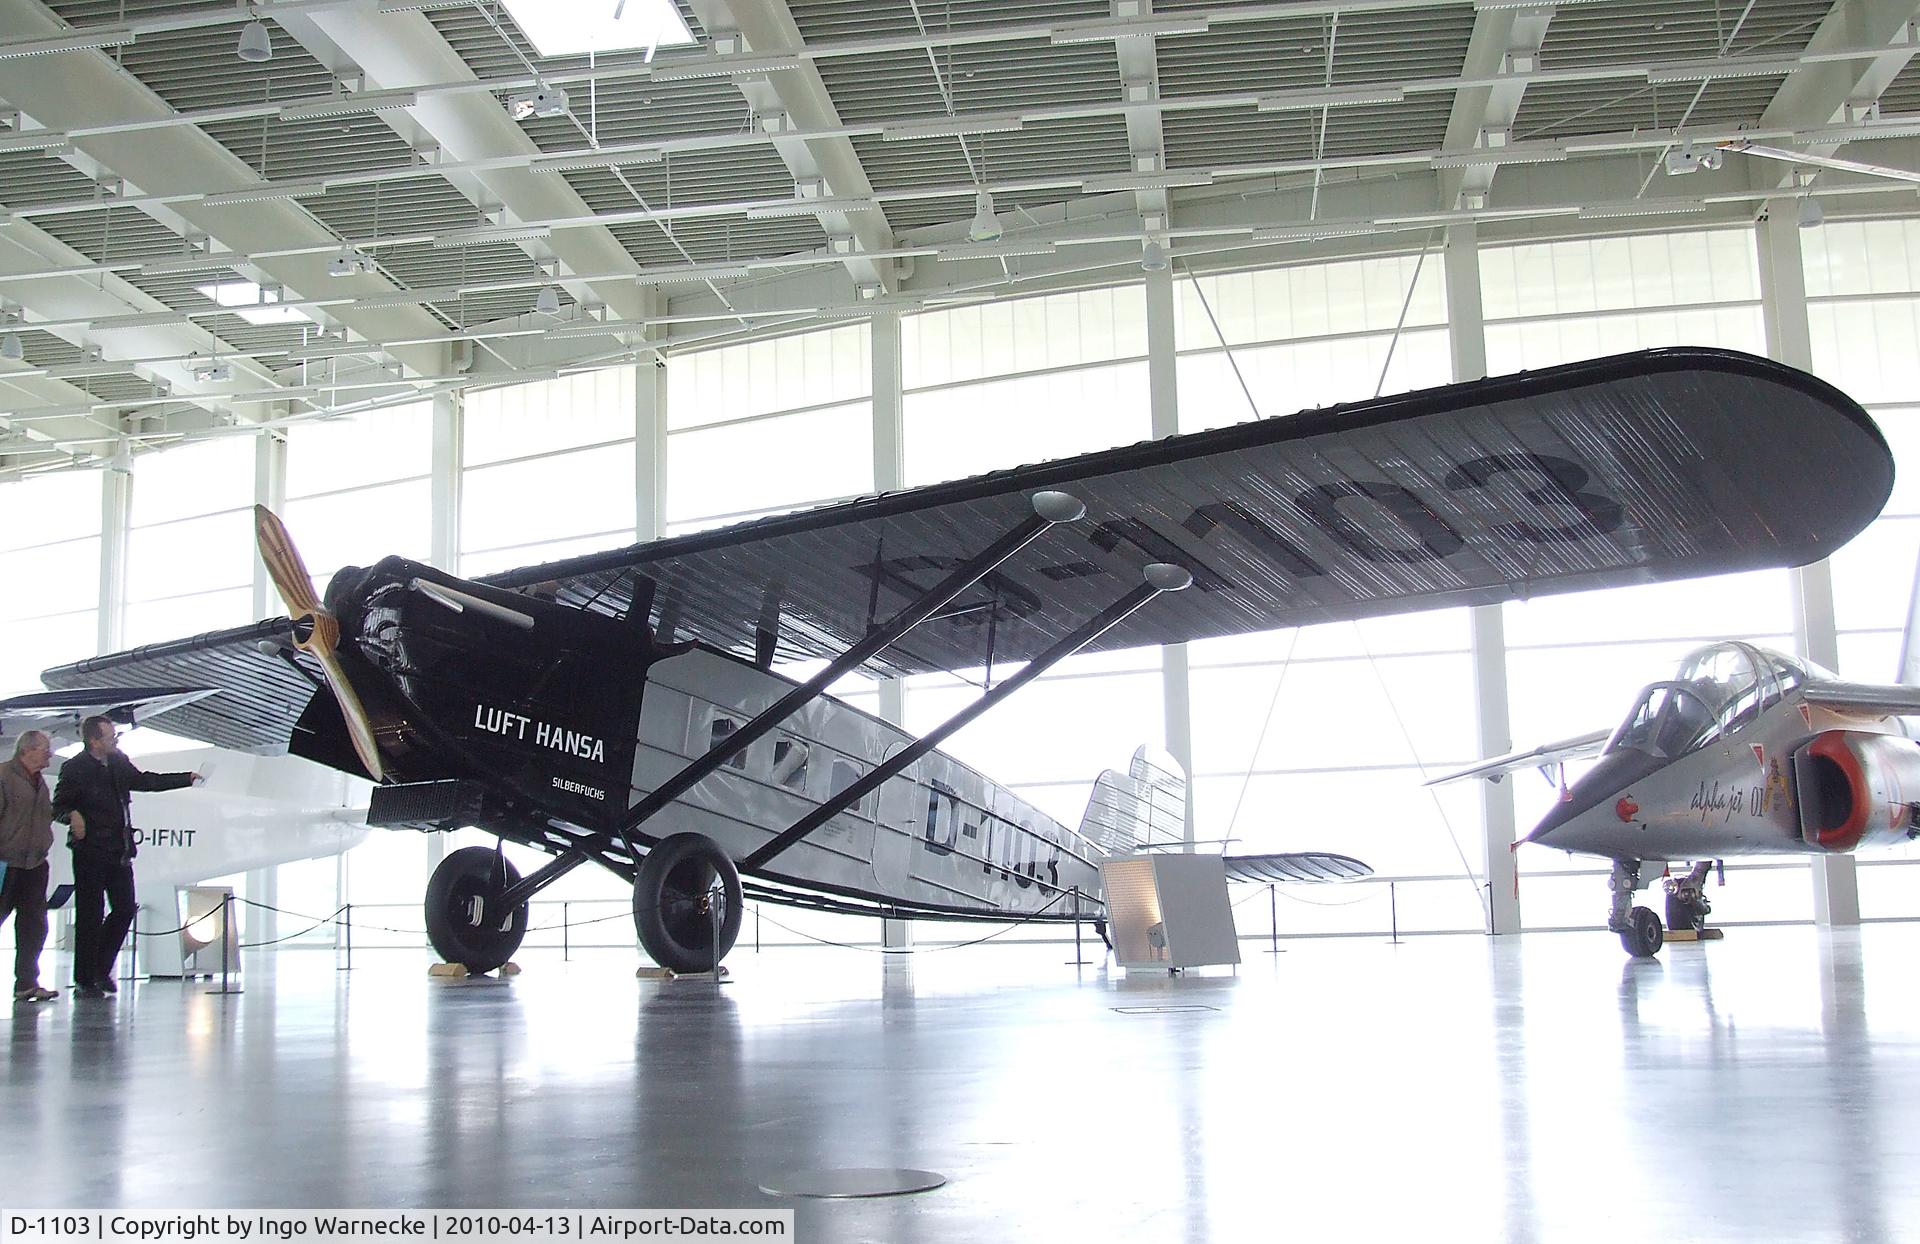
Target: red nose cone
x,y
1625,808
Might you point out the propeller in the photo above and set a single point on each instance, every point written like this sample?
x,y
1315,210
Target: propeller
x,y
314,629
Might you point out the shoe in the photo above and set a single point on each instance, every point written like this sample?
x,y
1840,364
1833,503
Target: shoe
x,y
89,991
34,994
106,985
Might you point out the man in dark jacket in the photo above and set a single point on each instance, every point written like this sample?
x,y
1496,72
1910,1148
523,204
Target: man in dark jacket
x,y
95,798
26,835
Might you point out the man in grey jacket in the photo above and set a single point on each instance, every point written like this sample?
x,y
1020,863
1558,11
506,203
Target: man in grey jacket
x,y
26,835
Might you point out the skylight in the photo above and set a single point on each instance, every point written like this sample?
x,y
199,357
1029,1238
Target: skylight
x,y
575,27
253,304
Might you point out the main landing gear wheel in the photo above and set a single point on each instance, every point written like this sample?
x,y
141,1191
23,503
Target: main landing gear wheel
x,y
1643,935
687,890
464,920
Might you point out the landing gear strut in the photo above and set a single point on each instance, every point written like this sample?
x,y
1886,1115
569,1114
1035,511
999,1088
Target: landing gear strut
x,y
1639,928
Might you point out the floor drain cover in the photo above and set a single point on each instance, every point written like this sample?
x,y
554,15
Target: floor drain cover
x,y
854,1181
1160,1010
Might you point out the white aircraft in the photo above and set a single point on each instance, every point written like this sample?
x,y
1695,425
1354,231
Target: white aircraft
x,y
622,708
250,812
1744,751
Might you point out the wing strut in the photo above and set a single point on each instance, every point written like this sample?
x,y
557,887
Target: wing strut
x,y
1159,577
1048,508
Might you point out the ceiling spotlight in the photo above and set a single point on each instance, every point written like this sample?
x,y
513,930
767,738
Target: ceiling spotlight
x,y
985,226
1153,257
543,101
11,349
256,43
349,262
547,302
1810,214
1685,159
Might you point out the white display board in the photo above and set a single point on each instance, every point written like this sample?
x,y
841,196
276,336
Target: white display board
x,y
1169,911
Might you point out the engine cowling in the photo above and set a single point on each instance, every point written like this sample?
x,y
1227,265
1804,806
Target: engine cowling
x,y
1857,789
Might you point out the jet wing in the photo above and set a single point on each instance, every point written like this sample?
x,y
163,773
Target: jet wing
x,y
1294,867
60,713
1579,747
1633,469
253,686
1876,699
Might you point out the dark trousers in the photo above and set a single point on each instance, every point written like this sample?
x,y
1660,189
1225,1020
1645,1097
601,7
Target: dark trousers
x,y
23,895
99,880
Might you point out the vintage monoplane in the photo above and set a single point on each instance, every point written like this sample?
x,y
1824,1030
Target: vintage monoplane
x,y
1744,751
624,707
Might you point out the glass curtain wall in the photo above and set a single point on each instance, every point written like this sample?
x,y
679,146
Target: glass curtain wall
x,y
190,545
357,489
1863,314
1319,738
50,563
1000,385
1574,662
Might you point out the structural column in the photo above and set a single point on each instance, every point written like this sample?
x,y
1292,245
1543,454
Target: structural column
x,y
270,490
1163,394
444,526
116,511
649,451
1467,331
889,475
1783,303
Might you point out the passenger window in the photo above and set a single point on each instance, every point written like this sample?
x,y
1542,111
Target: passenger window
x,y
723,729
843,775
790,764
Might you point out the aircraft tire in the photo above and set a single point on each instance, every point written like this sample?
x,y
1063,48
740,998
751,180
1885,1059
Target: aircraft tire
x,y
468,873
1643,935
674,895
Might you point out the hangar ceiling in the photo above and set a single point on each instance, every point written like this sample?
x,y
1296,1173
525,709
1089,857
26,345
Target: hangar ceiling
x,y
193,241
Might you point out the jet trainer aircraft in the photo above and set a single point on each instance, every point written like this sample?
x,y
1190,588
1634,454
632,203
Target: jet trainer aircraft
x,y
623,707
1743,752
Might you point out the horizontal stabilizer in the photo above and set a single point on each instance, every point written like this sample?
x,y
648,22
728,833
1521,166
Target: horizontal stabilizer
x,y
1295,867
1579,747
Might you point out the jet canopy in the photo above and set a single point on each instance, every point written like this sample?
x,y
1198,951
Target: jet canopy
x,y
1717,689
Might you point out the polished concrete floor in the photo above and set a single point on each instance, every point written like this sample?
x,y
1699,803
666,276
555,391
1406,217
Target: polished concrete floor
x,y
1544,1088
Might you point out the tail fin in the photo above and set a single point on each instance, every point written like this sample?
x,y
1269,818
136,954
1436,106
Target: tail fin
x,y
1146,804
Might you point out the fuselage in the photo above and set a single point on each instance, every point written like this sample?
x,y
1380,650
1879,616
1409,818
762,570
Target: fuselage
x,y
1688,778
575,717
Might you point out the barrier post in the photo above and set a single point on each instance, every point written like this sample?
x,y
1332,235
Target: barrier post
x,y
1273,921
226,945
1393,911
566,932
1079,959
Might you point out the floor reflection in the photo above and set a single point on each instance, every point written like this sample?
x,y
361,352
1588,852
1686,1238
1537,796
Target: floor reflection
x,y
1539,1088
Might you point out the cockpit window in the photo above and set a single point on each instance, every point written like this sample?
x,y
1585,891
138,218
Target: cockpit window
x,y
1718,689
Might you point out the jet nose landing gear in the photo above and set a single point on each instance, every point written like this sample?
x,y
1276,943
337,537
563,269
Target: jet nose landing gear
x,y
466,920
1639,928
687,903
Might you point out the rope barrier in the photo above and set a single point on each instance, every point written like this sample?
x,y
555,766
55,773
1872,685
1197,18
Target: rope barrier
x,y
910,950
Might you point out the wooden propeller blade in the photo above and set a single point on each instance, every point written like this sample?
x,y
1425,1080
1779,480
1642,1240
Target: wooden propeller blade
x,y
289,575
284,567
359,725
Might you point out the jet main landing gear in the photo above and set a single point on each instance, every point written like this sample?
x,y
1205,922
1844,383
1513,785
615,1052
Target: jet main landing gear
x,y
1639,928
1687,905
